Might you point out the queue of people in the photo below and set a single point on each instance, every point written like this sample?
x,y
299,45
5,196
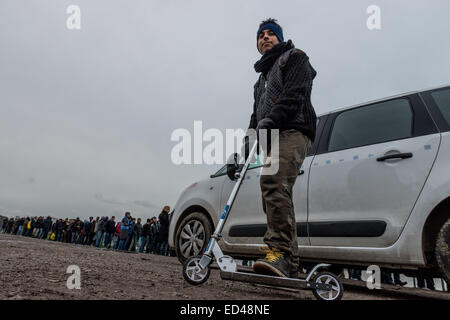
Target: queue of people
x,y
128,234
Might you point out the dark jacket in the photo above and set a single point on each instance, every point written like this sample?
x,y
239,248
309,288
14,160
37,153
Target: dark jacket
x,y
164,227
47,223
138,229
154,231
146,230
284,93
76,227
110,227
39,223
59,225
87,227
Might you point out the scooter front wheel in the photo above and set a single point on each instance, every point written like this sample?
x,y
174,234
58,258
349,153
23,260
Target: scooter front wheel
x,y
193,273
331,279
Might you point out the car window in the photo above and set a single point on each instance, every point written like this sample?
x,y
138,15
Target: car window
x,y
375,123
442,99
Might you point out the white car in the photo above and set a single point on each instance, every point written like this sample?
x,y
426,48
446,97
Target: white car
x,y
374,189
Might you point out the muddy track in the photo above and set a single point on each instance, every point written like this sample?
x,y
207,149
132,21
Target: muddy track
x,y
36,269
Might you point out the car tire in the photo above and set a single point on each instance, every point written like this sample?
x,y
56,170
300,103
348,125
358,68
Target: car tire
x,y
192,236
442,251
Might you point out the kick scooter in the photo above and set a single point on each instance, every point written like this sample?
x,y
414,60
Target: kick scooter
x,y
196,270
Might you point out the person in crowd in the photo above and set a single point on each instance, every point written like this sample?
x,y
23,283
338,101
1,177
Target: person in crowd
x,y
155,234
67,232
76,228
145,236
92,231
2,224
125,225
53,228
398,281
59,226
117,236
15,227
355,274
47,227
100,231
80,231
110,228
96,225
425,282
6,225
11,225
151,236
34,229
20,226
72,231
28,227
130,234
137,233
163,237
87,230
386,277
40,227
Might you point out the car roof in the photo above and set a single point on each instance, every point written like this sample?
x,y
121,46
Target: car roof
x,y
380,100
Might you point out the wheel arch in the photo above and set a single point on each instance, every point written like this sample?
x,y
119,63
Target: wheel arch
x,y
431,228
186,212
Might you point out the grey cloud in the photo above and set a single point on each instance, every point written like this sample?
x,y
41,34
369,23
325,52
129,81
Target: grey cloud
x,y
100,197
125,203
88,114
146,204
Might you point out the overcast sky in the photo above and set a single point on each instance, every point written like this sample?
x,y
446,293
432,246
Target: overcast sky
x,y
86,115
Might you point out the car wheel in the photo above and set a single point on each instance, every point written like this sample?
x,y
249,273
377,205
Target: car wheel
x,y
192,236
442,252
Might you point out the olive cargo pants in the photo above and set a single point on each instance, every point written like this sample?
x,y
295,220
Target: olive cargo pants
x,y
277,188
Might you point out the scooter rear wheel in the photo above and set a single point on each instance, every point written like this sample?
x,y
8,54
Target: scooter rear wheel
x,y
193,273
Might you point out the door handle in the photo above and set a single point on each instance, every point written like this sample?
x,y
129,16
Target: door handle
x,y
301,172
396,156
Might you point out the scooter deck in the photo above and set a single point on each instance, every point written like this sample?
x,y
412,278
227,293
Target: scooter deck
x,y
274,281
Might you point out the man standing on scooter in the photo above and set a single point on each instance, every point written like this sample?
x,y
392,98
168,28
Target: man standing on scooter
x,y
282,101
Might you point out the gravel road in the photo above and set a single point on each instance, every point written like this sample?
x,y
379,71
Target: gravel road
x,y
36,269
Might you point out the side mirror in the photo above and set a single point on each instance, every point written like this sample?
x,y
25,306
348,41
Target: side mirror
x,y
232,167
231,172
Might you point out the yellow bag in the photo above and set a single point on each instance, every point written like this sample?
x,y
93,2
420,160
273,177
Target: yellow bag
x,y
53,236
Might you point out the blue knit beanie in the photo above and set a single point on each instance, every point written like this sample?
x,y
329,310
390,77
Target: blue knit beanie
x,y
275,29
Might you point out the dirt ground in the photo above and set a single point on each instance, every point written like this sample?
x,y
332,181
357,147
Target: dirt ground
x,y
36,269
